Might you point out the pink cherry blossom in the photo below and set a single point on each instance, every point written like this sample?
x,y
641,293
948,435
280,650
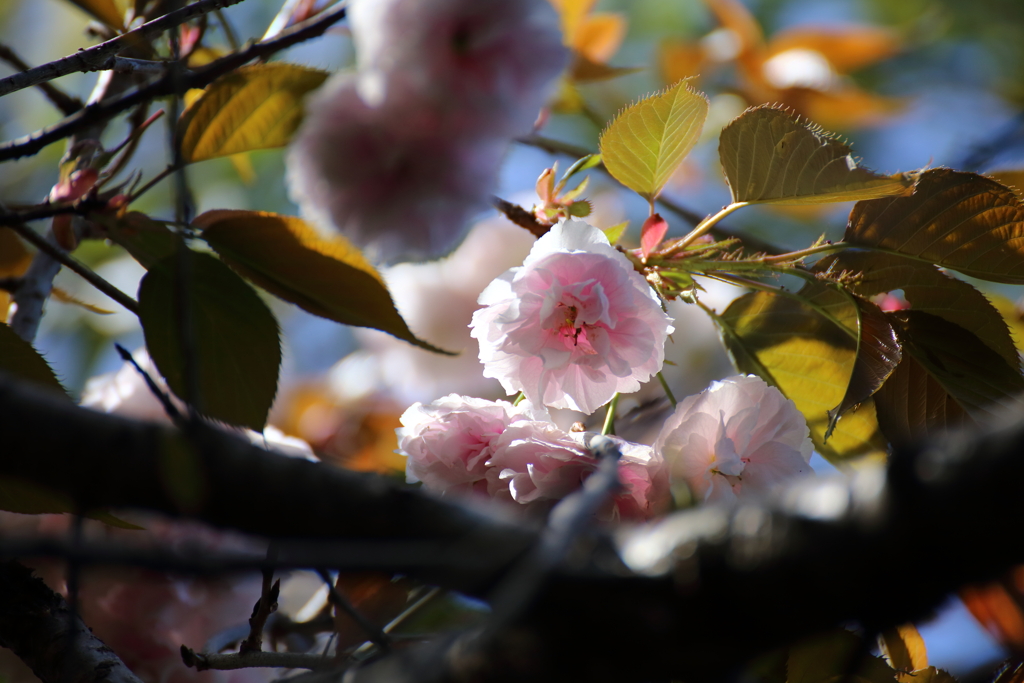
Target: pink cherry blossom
x,y
739,436
572,326
536,464
449,442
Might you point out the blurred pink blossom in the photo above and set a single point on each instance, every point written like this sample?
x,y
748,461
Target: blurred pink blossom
x,y
536,464
572,326
738,436
401,153
449,442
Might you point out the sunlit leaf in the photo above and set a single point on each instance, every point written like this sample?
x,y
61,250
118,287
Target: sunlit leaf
x,y
878,354
648,140
21,360
904,648
235,339
327,277
947,378
996,607
599,36
572,14
15,259
615,232
147,240
847,48
927,289
835,656
770,155
844,106
105,11
958,220
679,60
255,107
1012,178
799,348
1012,315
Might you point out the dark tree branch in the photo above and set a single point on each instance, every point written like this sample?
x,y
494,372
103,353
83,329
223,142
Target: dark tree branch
x,y
228,662
37,625
66,103
652,603
102,57
170,83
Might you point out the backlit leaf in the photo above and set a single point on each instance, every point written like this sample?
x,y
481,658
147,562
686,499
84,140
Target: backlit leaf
x,y
1012,315
648,140
147,240
771,156
15,259
20,359
1012,178
797,347
652,232
947,378
614,233
927,289
327,277
957,220
105,11
235,338
599,36
835,656
878,354
904,647
255,107
847,48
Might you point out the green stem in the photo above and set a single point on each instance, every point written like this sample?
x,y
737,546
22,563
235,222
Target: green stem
x,y
668,392
803,253
519,399
705,225
609,416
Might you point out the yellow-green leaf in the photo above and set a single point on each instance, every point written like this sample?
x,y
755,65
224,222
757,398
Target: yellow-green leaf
x,y
904,647
771,156
21,360
648,140
105,11
798,347
957,220
235,340
256,107
327,277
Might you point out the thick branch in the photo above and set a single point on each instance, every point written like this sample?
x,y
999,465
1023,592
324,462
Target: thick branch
x,y
171,83
60,99
37,625
103,56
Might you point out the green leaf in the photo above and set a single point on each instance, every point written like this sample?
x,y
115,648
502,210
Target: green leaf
x,y
957,220
255,107
878,354
647,141
20,359
798,347
949,379
615,232
106,11
904,648
285,256
771,156
927,289
235,338
147,240
836,656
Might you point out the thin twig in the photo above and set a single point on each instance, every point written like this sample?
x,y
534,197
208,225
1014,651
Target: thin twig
x,y
103,56
66,103
264,607
520,216
169,84
73,264
374,633
154,388
287,660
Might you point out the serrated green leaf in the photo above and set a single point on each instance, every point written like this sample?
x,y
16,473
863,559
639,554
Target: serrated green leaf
x,y
106,11
647,141
878,354
957,220
145,239
285,256
771,156
615,232
235,338
20,359
927,289
947,378
255,107
798,347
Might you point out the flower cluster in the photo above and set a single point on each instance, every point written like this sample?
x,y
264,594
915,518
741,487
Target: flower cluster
x,y
399,154
515,454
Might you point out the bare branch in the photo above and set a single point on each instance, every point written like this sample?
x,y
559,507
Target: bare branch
x,y
170,83
37,625
287,660
102,57
66,103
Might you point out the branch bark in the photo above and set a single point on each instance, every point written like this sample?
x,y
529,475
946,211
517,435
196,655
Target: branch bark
x,y
37,625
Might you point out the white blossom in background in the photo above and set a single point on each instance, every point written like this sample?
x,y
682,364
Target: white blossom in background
x,y
574,325
400,154
737,437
